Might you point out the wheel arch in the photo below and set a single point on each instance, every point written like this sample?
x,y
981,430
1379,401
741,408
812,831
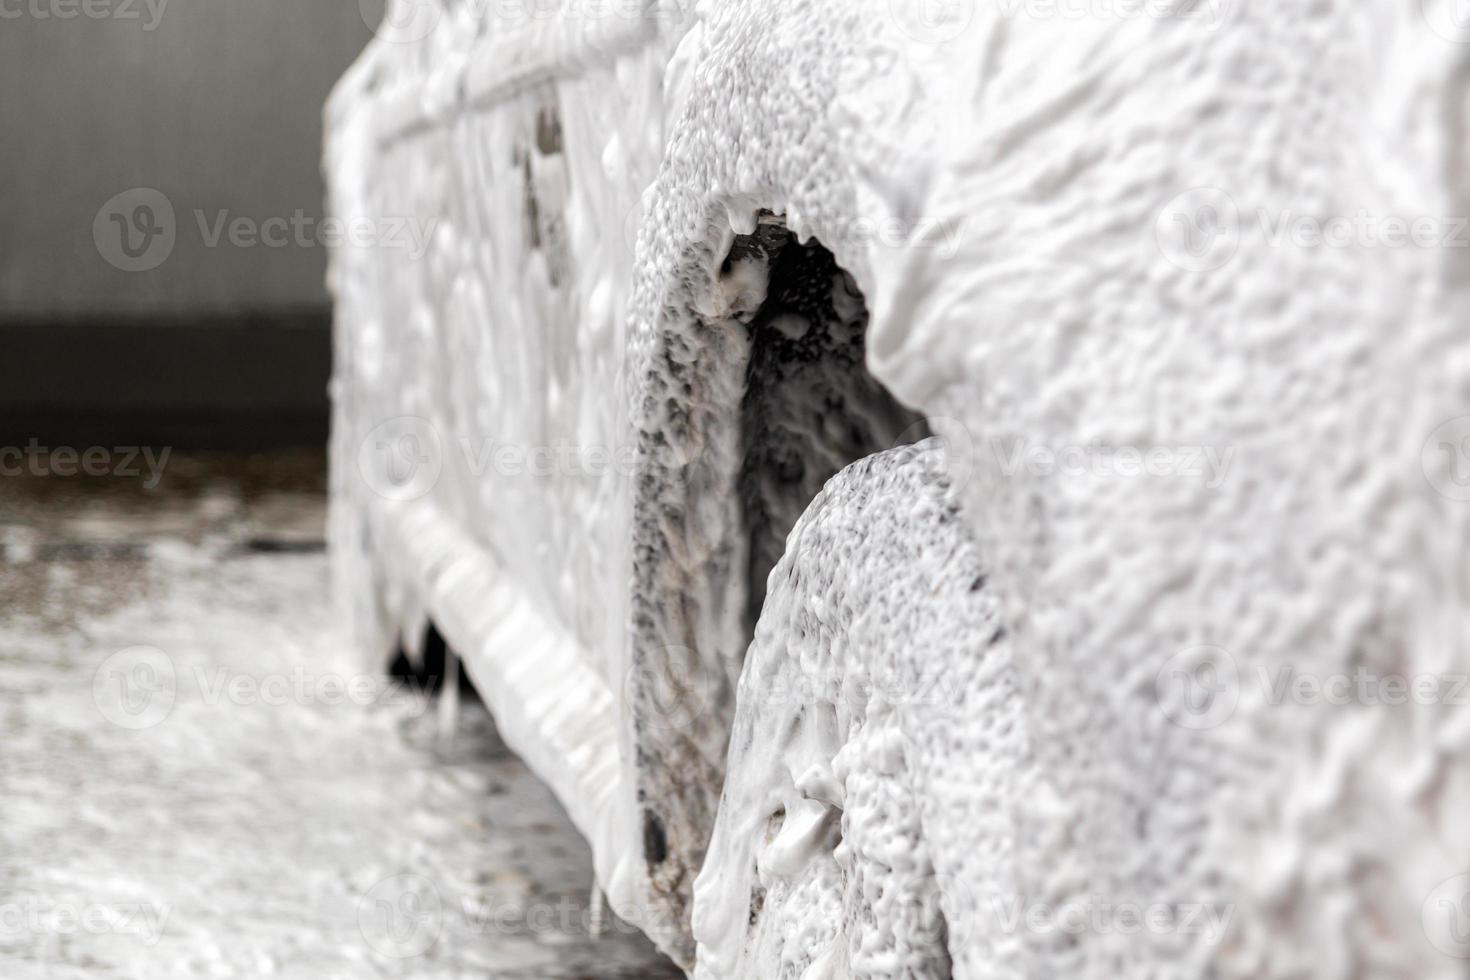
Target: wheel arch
x,y
734,167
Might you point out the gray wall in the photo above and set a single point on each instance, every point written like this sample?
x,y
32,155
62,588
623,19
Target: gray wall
x,y
214,103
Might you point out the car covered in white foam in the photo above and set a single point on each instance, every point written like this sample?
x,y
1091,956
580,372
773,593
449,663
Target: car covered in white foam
x,y
878,457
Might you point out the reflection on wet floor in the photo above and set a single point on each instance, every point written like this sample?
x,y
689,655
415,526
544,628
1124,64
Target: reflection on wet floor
x,y
197,782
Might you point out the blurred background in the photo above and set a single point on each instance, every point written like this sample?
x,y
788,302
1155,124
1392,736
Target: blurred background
x,y
215,107
183,795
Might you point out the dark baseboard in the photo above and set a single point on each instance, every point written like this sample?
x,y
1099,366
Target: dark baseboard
x,y
250,382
